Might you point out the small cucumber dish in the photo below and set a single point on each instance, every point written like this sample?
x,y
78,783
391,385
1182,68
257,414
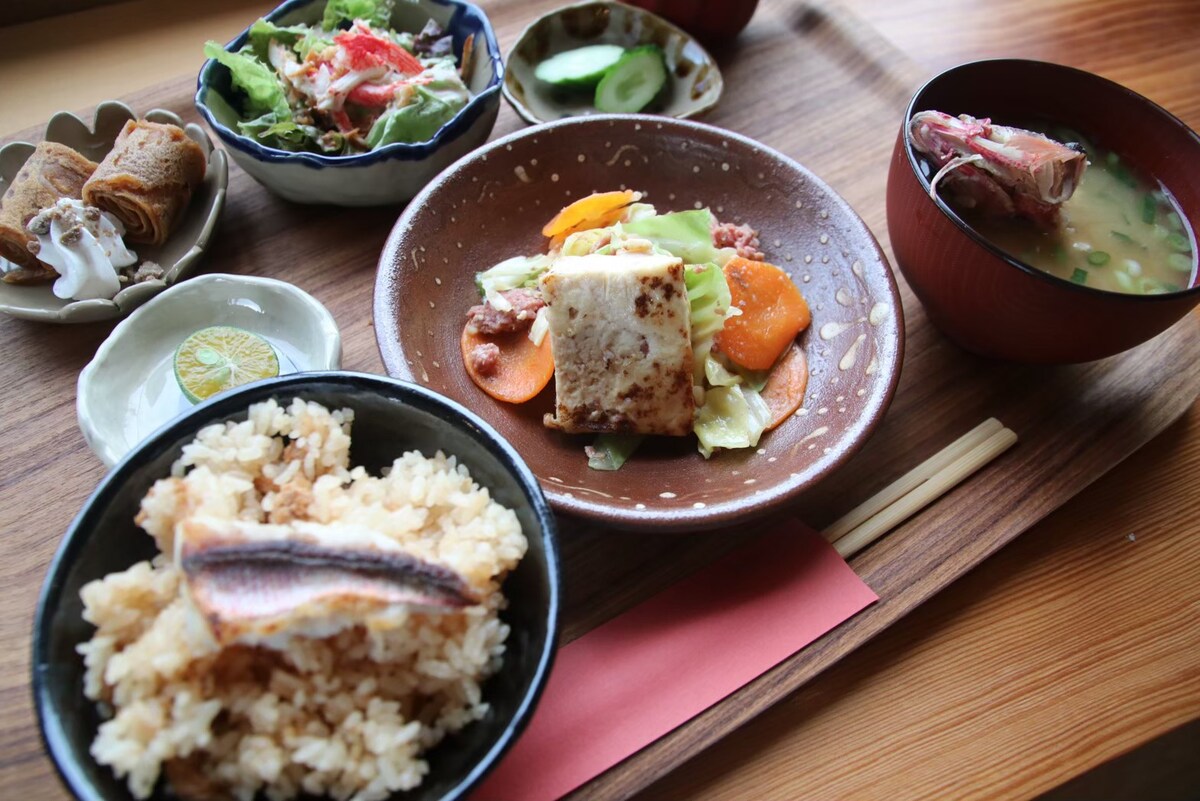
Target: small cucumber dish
x,y
625,81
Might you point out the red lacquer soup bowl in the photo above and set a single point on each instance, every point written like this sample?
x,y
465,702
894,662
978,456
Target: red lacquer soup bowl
x,y
992,303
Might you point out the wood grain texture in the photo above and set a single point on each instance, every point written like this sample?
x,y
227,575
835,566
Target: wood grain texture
x,y
814,82
1043,659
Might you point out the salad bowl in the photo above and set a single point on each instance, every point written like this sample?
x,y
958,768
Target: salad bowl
x,y
492,205
390,173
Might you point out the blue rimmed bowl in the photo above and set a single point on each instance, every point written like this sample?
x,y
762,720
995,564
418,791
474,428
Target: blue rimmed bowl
x,y
390,174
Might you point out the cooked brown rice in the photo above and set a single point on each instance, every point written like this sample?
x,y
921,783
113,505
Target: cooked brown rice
x,y
350,715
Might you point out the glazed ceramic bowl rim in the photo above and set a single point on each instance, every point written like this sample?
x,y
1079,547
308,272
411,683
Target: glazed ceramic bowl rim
x,y
1041,275
458,125
526,113
226,405
315,313
725,512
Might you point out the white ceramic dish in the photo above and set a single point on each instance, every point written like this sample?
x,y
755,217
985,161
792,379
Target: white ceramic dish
x,y
128,390
178,255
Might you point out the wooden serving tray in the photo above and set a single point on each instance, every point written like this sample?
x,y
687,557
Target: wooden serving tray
x,y
806,78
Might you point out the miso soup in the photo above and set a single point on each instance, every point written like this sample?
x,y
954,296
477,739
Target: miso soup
x,y
1119,232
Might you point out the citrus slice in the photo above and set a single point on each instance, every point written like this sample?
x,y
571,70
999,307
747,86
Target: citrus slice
x,y
220,357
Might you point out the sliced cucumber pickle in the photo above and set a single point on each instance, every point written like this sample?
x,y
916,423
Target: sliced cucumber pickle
x,y
583,66
634,81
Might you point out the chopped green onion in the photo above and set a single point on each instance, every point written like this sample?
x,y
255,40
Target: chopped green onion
x,y
1124,281
1122,175
1097,258
1180,262
1175,221
1126,238
1060,254
1079,276
1149,209
1179,242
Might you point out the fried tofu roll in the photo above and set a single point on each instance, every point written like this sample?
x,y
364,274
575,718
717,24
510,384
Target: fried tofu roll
x,y
53,171
147,179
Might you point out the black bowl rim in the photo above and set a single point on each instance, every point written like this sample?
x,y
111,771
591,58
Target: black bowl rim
x,y
650,519
399,151
66,762
987,245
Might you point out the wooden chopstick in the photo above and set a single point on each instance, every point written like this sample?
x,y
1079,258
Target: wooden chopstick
x,y
919,487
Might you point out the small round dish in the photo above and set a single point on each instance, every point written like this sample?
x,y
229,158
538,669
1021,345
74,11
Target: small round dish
x,y
391,417
389,174
128,390
178,256
492,205
694,82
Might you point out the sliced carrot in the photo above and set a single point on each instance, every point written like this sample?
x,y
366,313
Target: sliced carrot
x,y
523,370
784,391
773,313
594,211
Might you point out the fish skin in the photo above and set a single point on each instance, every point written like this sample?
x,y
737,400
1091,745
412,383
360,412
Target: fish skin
x,y
253,584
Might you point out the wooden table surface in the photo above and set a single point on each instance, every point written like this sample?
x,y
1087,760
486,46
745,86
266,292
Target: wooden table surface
x,y
1071,646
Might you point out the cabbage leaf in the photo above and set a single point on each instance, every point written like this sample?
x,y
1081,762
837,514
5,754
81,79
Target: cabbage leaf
x,y
686,234
731,417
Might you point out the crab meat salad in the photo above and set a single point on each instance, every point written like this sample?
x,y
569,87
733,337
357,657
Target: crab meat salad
x,y
306,628
347,85
664,324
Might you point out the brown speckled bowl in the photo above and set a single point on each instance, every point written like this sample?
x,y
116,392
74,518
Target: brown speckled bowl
x,y
694,81
492,204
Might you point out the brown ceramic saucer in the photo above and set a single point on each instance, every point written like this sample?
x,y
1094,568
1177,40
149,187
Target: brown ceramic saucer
x,y
492,204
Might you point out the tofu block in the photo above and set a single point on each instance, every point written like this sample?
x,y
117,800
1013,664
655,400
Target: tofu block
x,y
620,330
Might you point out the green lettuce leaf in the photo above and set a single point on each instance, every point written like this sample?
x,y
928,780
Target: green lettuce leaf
x,y
263,31
731,417
262,90
377,13
416,122
686,234
313,39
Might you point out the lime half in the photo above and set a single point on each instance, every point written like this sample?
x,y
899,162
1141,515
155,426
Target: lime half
x,y
218,358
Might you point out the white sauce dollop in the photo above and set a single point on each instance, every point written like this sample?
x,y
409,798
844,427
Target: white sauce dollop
x,y
85,246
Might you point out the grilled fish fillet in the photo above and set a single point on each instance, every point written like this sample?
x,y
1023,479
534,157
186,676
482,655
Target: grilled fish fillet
x,y
620,331
260,583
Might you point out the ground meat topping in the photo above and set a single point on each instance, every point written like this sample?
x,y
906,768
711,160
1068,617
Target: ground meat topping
x,y
742,238
485,358
486,319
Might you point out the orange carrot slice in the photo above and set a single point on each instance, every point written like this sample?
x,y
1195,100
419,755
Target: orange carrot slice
x,y
773,313
594,211
784,391
522,371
